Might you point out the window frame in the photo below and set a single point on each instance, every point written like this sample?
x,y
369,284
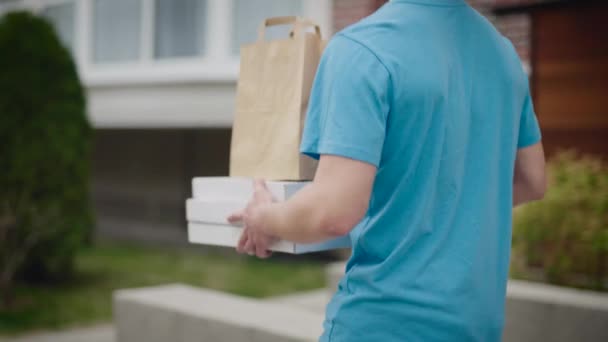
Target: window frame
x,y
201,44
217,64
41,6
89,43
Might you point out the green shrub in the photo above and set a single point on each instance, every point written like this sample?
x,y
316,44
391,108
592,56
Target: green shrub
x,y
44,153
566,234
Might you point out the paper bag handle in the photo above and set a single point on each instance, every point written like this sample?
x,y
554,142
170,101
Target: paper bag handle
x,y
297,25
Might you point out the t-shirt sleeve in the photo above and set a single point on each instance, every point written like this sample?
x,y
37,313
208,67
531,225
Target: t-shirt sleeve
x,y
529,131
348,106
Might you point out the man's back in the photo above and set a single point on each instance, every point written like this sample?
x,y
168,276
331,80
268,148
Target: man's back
x,y
450,110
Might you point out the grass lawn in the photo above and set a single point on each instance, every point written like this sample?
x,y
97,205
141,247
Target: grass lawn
x,y
110,266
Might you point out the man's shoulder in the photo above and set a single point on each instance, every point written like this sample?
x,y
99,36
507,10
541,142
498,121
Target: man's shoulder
x,y
376,28
375,34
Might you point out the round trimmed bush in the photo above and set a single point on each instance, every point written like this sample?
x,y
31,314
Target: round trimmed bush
x,y
564,238
45,212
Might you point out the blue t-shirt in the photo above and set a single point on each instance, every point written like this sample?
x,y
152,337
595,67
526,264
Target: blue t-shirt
x,y
433,96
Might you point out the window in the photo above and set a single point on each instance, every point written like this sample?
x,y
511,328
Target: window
x,y
141,41
9,5
179,28
248,14
116,30
62,18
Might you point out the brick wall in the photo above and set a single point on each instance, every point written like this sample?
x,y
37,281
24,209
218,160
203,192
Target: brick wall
x,y
347,12
515,27
518,29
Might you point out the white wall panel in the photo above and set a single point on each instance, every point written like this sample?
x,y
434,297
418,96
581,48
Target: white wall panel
x,y
167,105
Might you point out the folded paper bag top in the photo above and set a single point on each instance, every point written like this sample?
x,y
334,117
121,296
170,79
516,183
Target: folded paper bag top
x,y
271,102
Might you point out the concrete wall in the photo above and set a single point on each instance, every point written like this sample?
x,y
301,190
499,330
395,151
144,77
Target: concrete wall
x,y
180,313
534,312
538,312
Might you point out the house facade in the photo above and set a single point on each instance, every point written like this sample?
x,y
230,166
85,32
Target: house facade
x,y
567,49
161,77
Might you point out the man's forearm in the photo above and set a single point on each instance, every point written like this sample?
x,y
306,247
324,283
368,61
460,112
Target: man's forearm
x,y
523,194
529,178
519,195
301,219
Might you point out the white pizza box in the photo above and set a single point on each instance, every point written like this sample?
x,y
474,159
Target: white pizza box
x,y
210,211
215,198
228,236
239,188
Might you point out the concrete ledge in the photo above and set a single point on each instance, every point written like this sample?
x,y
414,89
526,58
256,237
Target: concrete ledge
x,y
333,273
539,312
313,301
185,314
536,312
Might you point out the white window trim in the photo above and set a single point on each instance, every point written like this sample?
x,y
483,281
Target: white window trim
x,y
146,45
218,64
32,5
322,12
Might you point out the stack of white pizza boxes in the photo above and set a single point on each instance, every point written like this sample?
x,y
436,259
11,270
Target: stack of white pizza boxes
x,y
215,198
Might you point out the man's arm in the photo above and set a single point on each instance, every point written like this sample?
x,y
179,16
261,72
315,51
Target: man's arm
x,y
332,205
529,179
345,128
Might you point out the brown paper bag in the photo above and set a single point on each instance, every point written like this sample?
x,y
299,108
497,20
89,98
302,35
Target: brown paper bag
x,y
272,96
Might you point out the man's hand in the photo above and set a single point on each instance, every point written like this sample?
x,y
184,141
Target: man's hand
x,y
529,179
254,239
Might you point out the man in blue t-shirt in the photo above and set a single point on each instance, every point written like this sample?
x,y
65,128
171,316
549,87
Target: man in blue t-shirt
x,y
422,119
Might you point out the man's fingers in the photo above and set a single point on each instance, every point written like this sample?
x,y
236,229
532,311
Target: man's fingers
x,y
249,247
259,185
262,252
262,245
236,217
240,247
